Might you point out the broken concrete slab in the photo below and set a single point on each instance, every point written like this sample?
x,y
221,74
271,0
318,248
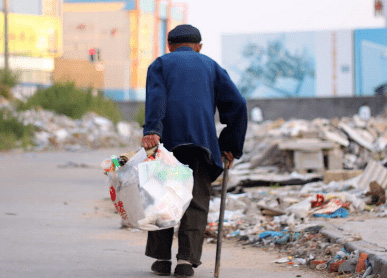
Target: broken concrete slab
x,y
373,172
335,159
361,137
308,160
309,144
257,179
340,175
334,135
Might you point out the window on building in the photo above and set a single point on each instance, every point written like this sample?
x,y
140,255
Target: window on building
x,y
35,77
147,6
163,9
26,76
178,13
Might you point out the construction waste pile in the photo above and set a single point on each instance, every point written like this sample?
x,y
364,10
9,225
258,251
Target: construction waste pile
x,y
295,173
89,132
59,132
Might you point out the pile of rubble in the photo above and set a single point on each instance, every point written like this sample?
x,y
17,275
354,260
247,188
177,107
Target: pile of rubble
x,y
299,151
59,132
285,219
297,173
91,131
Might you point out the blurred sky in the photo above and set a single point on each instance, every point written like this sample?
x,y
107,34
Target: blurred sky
x,y
28,7
217,17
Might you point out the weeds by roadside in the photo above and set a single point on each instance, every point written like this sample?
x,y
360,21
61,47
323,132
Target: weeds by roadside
x,y
65,98
139,115
13,133
8,80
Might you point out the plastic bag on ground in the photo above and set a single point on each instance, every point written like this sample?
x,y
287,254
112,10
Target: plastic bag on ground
x,y
151,194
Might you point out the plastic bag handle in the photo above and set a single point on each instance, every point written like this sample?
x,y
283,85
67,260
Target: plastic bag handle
x,y
152,151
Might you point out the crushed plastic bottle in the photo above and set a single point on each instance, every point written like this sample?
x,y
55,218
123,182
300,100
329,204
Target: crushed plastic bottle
x,y
113,163
108,166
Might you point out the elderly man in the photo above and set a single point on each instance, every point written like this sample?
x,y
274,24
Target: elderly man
x,y
183,90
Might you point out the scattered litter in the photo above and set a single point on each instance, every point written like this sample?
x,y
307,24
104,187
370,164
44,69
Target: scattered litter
x,y
341,212
282,260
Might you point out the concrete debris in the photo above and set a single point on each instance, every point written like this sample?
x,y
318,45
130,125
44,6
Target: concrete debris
x,y
335,171
92,131
276,149
360,136
283,218
373,172
340,175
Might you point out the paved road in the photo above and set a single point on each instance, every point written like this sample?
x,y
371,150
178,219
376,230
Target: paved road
x,y
56,221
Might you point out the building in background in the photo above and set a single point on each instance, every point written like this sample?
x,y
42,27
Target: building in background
x,y
340,63
121,37
34,41
297,64
317,63
370,46
82,73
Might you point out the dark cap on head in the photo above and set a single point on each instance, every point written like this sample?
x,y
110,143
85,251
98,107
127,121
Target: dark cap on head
x,y
184,33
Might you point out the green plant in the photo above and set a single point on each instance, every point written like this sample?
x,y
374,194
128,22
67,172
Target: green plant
x,y
8,80
13,133
139,114
67,99
104,107
274,185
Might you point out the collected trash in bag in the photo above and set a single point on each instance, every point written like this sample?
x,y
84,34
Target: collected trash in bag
x,y
150,193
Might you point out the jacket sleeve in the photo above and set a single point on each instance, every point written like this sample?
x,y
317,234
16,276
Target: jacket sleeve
x,y
232,112
155,101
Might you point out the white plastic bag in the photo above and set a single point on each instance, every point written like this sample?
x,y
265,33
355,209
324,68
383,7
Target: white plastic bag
x,y
151,194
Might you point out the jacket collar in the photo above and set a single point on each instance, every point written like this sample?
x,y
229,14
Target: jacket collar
x,y
184,48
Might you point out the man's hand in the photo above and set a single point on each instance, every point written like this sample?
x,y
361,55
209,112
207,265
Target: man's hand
x,y
150,141
228,159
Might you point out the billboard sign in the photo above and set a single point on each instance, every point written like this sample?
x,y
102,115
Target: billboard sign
x,y
31,35
297,64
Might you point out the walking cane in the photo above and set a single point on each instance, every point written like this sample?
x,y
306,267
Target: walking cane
x,y
221,217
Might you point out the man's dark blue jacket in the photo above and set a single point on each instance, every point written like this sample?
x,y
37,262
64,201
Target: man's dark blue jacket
x,y
183,90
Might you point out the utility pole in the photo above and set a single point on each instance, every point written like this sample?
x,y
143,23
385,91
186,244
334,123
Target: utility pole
x,y
6,54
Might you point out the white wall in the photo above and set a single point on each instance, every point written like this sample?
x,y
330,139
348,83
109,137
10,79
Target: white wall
x,y
340,64
18,63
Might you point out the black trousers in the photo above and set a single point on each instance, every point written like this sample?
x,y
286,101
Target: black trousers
x,y
194,221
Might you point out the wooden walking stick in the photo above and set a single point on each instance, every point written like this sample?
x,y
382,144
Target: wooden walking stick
x,y
221,217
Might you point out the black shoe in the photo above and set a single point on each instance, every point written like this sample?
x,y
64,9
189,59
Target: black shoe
x,y
162,268
184,270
